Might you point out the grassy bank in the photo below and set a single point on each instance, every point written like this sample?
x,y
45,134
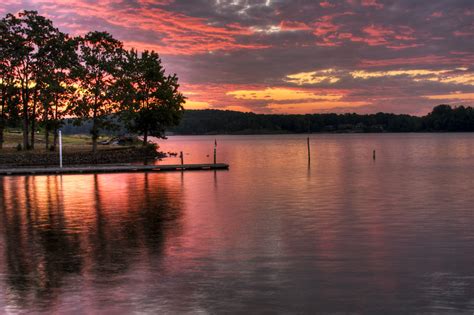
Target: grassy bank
x,y
12,139
76,151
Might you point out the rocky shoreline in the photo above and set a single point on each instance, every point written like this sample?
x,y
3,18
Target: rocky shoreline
x,y
10,159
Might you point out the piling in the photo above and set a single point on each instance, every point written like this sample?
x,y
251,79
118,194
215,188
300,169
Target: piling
x,y
373,155
60,149
182,157
215,151
309,150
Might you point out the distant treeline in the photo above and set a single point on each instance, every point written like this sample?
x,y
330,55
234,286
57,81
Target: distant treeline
x,y
443,118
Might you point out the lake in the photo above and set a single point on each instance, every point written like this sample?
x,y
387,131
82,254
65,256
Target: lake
x,y
273,234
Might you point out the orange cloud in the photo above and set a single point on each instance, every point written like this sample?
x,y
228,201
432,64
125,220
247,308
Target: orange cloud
x,y
311,107
282,94
451,96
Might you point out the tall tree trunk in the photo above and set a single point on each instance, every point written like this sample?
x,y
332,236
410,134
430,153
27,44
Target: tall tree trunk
x,y
47,126
2,128
55,138
55,119
25,99
2,116
94,136
33,120
145,137
94,131
46,137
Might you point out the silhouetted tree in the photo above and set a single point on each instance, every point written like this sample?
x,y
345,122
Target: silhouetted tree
x,y
150,100
7,85
99,56
28,34
60,60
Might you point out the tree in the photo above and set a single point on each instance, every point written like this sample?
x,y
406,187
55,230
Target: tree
x,y
6,75
10,46
59,61
150,100
99,55
28,34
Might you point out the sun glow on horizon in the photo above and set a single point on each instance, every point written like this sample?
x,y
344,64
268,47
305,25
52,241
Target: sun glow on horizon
x,y
282,94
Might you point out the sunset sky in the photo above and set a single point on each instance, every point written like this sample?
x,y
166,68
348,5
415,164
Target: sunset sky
x,y
300,56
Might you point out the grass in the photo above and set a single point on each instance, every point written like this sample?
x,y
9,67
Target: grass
x,y
70,142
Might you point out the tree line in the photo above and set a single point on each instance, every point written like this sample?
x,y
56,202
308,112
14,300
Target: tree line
x,y
443,118
47,75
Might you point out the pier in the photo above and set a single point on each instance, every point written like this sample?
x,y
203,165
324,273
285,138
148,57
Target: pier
x,y
101,169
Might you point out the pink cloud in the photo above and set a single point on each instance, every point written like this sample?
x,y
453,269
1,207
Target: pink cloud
x,y
393,38
332,33
294,26
327,30
372,3
327,4
463,33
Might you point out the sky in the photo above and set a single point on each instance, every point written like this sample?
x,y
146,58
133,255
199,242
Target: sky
x,y
293,56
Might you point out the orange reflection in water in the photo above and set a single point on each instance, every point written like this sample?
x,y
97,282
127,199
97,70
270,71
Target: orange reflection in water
x,y
55,228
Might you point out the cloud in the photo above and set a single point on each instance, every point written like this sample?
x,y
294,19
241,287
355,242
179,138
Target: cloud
x,y
372,3
451,97
294,26
312,107
460,59
461,76
313,77
332,32
363,74
437,14
281,94
391,37
327,4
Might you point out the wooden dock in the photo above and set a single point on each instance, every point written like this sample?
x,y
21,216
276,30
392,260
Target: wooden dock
x,y
97,169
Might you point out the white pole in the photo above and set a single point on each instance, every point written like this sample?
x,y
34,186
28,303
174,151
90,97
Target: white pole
x,y
60,150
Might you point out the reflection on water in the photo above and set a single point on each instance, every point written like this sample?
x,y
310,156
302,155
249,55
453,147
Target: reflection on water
x,y
87,231
343,234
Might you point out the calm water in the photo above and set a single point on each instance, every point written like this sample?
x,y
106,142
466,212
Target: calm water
x,y
272,234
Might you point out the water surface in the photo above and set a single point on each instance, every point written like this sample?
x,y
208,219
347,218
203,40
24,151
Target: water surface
x,y
274,233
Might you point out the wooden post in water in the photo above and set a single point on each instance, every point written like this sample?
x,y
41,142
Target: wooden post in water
x,y
60,149
182,157
215,151
373,155
309,150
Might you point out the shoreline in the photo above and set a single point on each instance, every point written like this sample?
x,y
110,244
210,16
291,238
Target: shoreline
x,y
319,133
10,158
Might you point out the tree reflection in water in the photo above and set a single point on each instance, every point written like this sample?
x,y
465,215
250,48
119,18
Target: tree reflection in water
x,y
81,229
